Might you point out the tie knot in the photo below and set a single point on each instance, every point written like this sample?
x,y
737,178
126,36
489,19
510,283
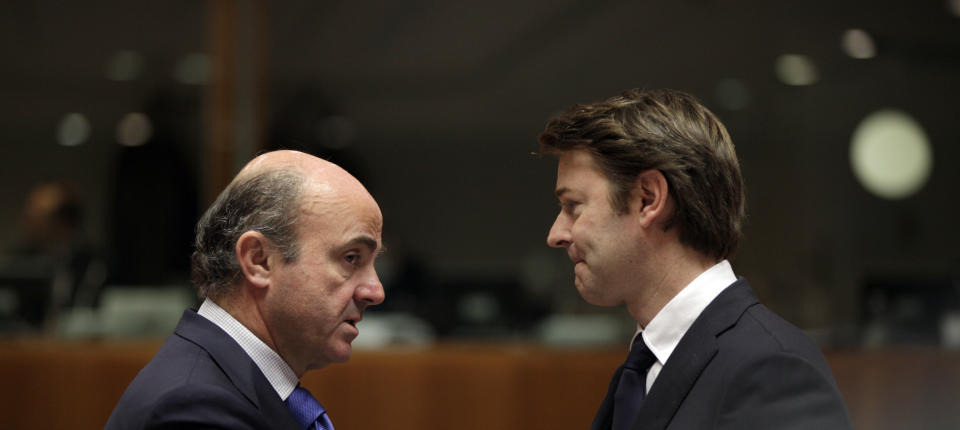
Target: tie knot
x,y
640,357
304,407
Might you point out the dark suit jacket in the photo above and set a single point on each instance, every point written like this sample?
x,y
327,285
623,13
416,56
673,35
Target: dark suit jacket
x,y
200,378
739,366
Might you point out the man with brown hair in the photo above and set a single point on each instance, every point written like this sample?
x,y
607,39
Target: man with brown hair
x,y
652,206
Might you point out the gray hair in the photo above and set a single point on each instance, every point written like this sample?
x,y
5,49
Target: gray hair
x,y
267,202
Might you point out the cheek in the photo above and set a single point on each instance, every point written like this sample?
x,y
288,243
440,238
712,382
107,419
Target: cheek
x,y
306,295
342,296
321,294
331,295
583,232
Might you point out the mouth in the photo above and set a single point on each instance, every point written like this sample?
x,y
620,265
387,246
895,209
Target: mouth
x,y
353,321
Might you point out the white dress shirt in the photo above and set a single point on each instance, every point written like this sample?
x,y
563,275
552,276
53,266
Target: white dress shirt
x,y
277,371
665,330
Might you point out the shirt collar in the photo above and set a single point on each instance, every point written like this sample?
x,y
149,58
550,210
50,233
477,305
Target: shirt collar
x,y
665,330
277,371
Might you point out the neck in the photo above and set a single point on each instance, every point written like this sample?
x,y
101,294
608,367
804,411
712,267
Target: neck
x,y
668,272
242,306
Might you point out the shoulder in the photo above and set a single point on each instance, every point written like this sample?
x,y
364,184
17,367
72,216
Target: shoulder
x,y
760,331
181,379
203,406
179,362
762,344
776,377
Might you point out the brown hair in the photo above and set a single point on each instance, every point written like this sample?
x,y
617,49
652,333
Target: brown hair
x,y
672,132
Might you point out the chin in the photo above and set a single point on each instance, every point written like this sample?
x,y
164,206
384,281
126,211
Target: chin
x,y
338,353
588,295
341,356
595,297
601,302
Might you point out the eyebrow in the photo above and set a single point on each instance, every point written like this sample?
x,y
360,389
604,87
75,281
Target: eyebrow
x,y
365,241
561,191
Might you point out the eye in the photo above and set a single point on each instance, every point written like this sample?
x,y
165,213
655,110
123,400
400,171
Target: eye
x,y
352,259
568,206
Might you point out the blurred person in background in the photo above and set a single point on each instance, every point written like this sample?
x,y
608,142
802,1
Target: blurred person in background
x,y
53,267
652,205
284,263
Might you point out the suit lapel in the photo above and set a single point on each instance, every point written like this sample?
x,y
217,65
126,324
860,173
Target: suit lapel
x,y
238,367
676,379
695,350
604,418
272,407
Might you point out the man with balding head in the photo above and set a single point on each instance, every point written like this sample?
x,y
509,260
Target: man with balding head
x,y
284,265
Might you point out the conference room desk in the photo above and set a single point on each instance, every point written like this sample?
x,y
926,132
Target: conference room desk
x,y
62,384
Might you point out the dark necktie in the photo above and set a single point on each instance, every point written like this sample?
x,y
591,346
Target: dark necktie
x,y
633,380
308,412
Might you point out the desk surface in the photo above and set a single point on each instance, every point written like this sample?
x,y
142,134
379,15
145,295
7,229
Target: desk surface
x,y
458,385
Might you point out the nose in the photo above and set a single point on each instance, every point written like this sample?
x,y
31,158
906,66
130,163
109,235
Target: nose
x,y
370,292
559,236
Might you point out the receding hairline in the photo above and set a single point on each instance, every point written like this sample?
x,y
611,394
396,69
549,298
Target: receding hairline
x,y
319,176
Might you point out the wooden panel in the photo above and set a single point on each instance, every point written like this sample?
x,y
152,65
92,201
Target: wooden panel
x,y
466,387
463,386
220,100
235,106
66,385
900,389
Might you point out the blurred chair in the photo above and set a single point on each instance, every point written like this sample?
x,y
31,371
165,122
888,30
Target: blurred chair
x,y
906,310
379,329
584,330
24,297
130,312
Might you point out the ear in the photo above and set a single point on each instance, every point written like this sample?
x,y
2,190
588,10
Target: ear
x,y
649,198
253,253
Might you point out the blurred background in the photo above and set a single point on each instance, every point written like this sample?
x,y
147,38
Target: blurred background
x,y
121,121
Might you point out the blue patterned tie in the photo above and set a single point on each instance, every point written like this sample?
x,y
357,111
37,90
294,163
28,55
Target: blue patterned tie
x,y
308,411
632,386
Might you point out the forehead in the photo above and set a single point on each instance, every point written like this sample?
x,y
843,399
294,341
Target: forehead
x,y
577,171
338,215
